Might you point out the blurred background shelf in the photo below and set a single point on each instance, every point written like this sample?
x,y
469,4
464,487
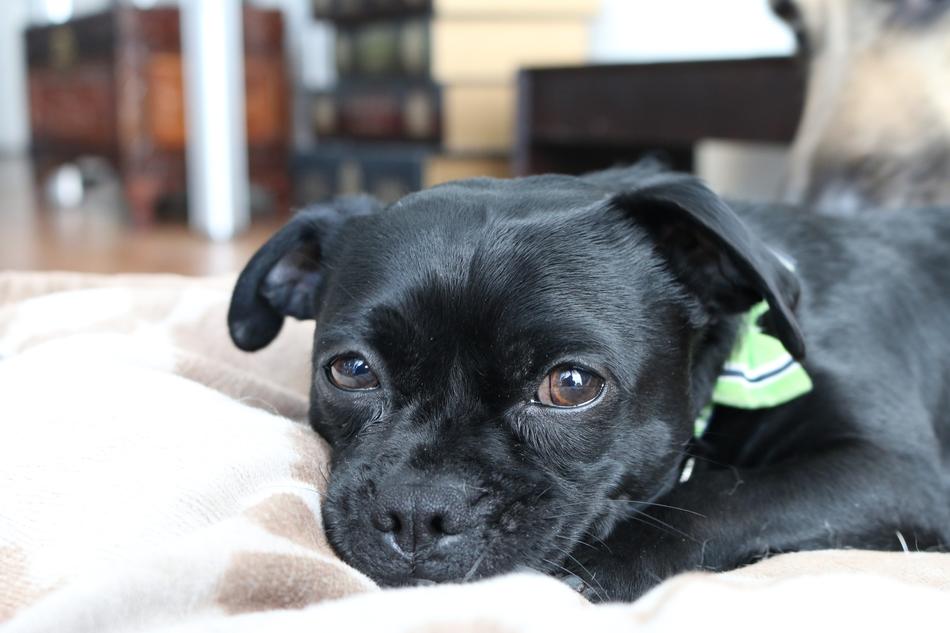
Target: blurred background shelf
x,y
388,171
412,105
342,11
111,85
377,96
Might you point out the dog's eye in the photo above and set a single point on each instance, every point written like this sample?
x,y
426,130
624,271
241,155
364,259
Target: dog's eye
x,y
568,386
352,373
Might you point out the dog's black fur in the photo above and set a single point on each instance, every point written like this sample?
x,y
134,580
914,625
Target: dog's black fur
x,y
463,297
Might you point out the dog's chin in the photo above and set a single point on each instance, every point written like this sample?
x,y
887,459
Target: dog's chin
x,y
484,566
484,559
421,574
388,570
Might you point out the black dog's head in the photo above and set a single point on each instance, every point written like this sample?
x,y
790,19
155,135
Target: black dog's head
x,y
496,363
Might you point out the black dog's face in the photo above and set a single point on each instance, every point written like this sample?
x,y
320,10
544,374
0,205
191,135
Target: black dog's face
x,y
487,383
502,370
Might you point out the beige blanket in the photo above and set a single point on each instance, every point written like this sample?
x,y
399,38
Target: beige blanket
x,y
154,478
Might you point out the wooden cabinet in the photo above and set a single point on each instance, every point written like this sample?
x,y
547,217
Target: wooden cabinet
x,y
583,118
112,85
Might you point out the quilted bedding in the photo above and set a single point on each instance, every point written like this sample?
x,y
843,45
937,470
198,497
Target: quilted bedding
x,y
155,478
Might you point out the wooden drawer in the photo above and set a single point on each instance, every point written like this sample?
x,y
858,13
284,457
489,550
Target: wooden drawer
x,y
77,107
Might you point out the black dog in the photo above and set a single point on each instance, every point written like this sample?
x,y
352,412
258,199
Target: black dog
x,y
509,371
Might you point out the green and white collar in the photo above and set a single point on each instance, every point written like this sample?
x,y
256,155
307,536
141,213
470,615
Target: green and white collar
x,y
759,373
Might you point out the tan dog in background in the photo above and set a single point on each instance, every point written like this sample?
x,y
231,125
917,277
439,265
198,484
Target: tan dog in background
x,y
876,126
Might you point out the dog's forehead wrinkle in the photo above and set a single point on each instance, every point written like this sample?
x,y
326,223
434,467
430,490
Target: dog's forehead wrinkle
x,y
497,325
480,308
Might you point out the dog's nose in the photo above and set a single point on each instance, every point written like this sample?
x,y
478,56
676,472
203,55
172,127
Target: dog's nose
x,y
419,516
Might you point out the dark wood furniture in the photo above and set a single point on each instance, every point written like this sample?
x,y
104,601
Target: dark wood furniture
x,y
111,85
572,120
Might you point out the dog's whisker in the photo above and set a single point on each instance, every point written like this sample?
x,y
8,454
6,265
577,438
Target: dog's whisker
x,y
599,540
474,568
464,486
663,525
658,505
900,539
593,577
573,515
686,452
570,573
639,519
575,542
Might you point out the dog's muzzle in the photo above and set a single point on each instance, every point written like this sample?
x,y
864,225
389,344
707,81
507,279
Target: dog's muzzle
x,y
425,528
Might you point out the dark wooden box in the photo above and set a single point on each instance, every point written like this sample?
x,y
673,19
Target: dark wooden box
x,y
578,119
111,85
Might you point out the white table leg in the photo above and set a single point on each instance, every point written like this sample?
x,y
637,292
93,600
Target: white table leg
x,y
218,182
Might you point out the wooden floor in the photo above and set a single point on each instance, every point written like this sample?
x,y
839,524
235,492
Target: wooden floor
x,y
95,237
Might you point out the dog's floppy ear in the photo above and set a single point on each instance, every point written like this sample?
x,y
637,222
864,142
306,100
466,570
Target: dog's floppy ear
x,y
713,252
283,277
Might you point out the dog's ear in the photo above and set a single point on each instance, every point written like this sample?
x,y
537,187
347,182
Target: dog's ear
x,y
714,254
283,277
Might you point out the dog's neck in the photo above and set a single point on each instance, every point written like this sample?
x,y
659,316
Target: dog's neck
x,y
711,348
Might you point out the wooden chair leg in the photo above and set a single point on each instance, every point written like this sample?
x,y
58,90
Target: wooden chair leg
x,y
142,194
